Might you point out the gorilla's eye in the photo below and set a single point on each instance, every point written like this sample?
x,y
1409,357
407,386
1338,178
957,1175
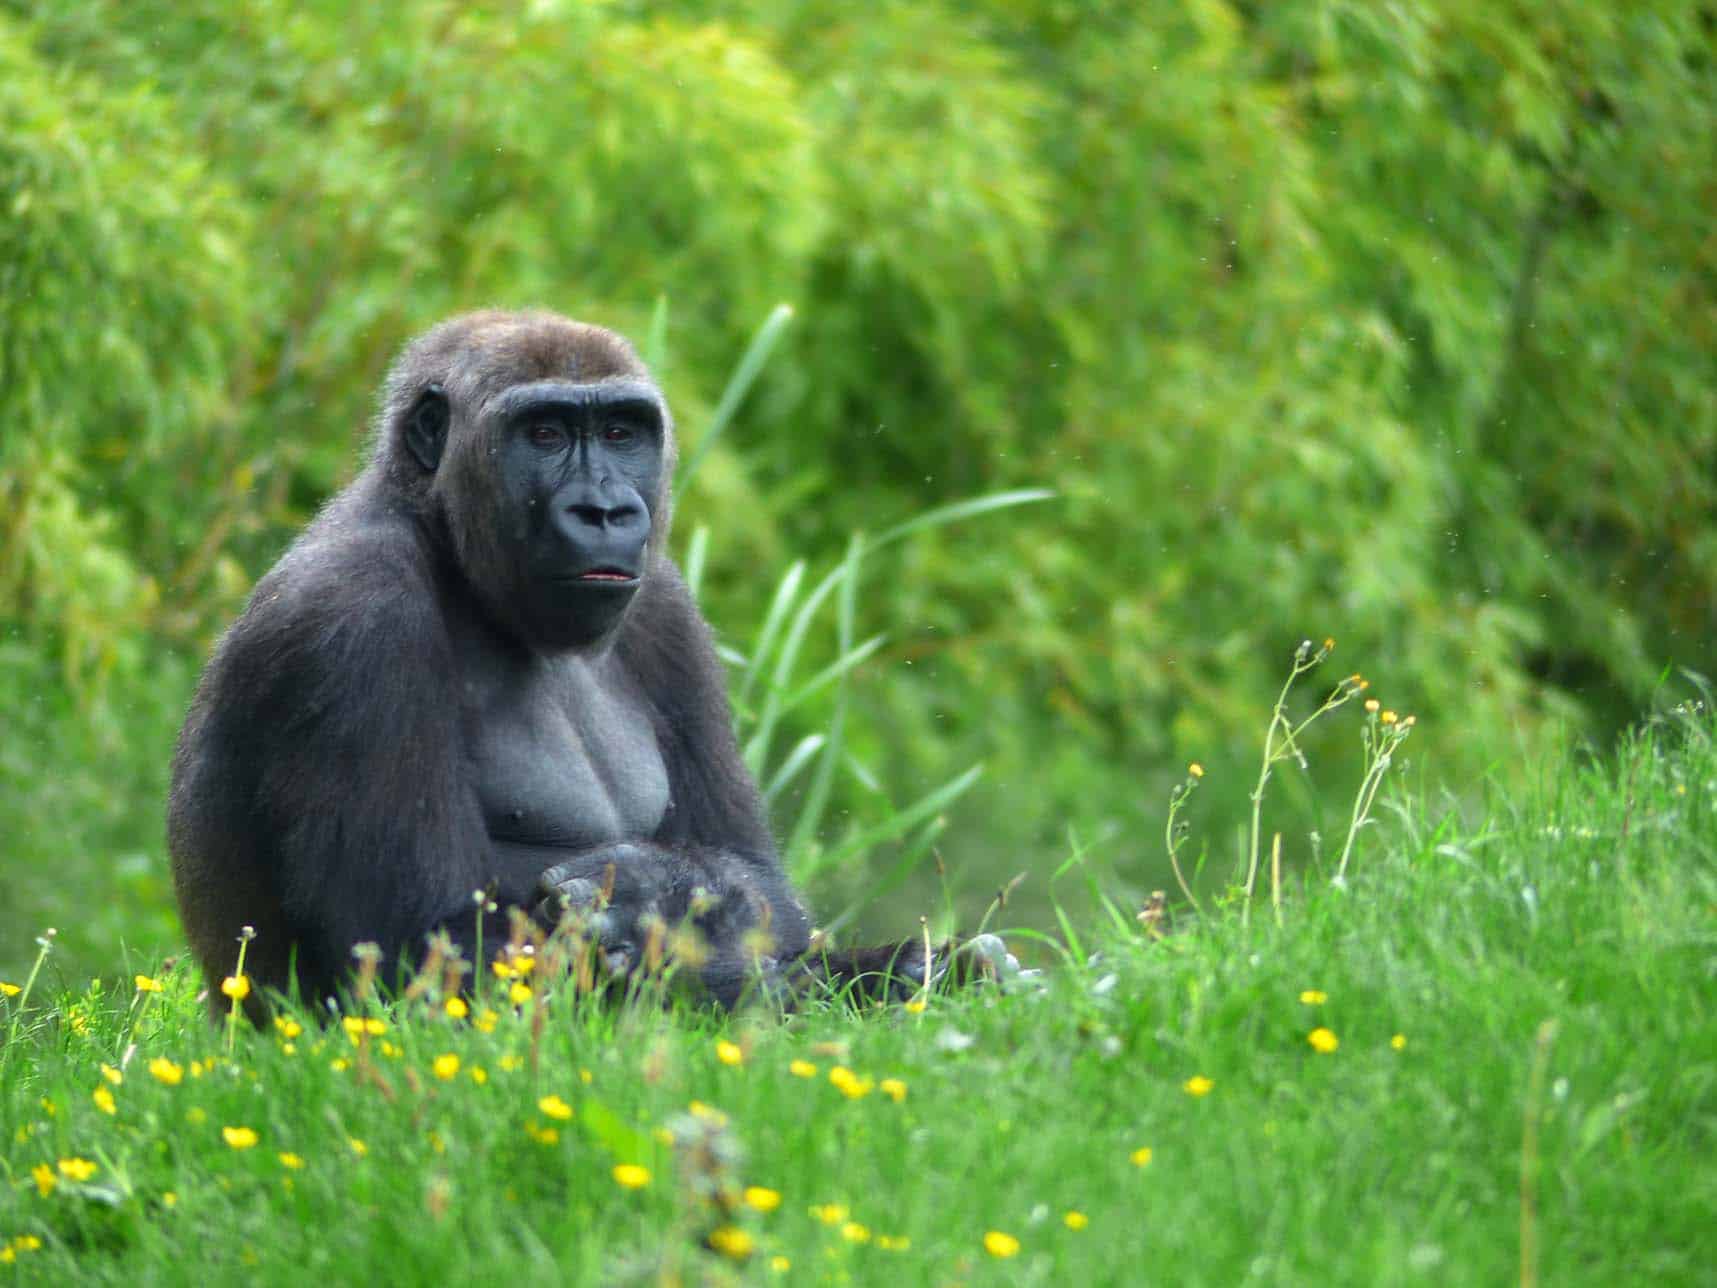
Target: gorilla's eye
x,y
618,434
546,435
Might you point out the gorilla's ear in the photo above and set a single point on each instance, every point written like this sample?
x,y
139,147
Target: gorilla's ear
x,y
426,427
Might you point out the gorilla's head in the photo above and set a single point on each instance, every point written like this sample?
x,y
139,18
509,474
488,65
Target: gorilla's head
x,y
542,451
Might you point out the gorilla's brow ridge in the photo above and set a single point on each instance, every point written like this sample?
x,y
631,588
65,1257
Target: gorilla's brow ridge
x,y
610,389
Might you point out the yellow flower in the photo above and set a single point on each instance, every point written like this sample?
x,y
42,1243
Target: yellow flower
x,y
893,1242
147,985
1141,1156
698,1109
523,965
731,1241
519,993
555,1107
915,1006
27,1243
10,990
853,1232
1372,704
75,1169
289,1048
1314,997
1197,1085
1388,717
485,1020
478,1074
802,1069
829,1213
998,1244
512,1063
851,1085
1075,1220
1323,1041
291,1162
455,1006
357,1146
1195,769
729,1053
339,1066
7,1255
236,987
893,1088
169,1199
239,1137
764,1200
104,1100
1399,1042
779,1264
630,1176
446,1067
112,1075
288,1027
542,1135
45,1178
164,1070
502,969
586,1077
49,1107
390,1050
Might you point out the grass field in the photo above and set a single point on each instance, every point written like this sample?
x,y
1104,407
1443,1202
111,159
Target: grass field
x,y
1490,1056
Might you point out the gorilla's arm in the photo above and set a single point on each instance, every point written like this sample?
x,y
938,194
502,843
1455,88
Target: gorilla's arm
x,y
334,690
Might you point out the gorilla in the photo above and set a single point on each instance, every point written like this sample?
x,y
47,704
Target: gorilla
x,y
478,670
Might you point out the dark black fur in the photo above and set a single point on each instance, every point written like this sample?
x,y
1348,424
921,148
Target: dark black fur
x,y
336,778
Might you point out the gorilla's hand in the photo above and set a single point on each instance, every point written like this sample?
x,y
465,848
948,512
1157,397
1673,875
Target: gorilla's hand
x,y
615,892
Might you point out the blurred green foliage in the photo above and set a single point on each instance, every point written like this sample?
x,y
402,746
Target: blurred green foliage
x,y
1396,323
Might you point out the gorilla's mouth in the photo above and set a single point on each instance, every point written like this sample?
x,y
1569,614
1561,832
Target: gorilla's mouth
x,y
605,574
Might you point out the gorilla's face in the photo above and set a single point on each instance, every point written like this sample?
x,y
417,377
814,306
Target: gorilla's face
x,y
577,467
548,490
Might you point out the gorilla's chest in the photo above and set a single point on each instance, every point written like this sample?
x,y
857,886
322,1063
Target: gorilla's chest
x,y
565,757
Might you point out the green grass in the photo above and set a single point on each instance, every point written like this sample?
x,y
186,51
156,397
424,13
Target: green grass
x,y
1550,967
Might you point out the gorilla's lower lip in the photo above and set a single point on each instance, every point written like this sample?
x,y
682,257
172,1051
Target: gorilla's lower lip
x,y
605,576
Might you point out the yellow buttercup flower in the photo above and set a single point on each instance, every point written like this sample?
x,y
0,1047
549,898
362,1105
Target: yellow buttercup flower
x,y
1314,997
729,1053
1323,1041
291,1162
1195,769
853,1232
764,1200
165,1071
485,1019
512,1063
239,1137
10,990
731,1241
1075,1220
779,1264
76,1169
829,1213
478,1074
555,1107
455,1006
915,1006
542,1135
630,1176
850,1084
802,1069
519,993
998,1244
446,1067
1141,1156
288,1027
1398,1042
147,985
893,1088
236,987
1197,1085
893,1242
45,1179
104,1100
112,1075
